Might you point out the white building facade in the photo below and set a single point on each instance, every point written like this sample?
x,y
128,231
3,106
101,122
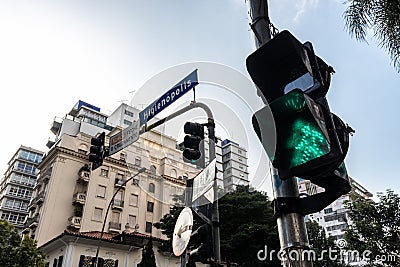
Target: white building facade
x,y
71,200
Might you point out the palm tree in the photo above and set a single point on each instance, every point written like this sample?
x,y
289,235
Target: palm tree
x,y
383,17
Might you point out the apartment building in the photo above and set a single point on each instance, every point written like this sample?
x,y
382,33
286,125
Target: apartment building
x,y
70,201
16,186
234,162
334,218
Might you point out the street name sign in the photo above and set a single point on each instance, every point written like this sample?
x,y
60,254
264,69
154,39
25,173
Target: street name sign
x,y
124,138
169,97
204,181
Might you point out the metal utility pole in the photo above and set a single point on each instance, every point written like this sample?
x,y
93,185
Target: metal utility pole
x,y
188,196
291,226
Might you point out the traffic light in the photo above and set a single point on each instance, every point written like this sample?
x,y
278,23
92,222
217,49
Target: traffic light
x,y
304,142
202,253
192,141
309,141
97,151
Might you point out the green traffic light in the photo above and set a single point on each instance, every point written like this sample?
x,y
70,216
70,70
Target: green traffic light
x,y
300,136
307,142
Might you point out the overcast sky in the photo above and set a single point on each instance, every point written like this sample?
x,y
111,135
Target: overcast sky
x,y
53,53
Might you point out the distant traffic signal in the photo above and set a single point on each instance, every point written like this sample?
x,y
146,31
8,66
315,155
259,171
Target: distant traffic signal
x,y
97,151
192,141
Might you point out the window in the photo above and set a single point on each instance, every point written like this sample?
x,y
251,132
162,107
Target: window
x,y
152,188
104,172
101,191
328,210
133,200
97,214
149,226
115,217
138,161
228,171
173,173
127,122
122,156
127,112
153,169
132,220
239,151
150,206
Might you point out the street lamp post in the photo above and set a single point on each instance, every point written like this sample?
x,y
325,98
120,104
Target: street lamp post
x,y
108,208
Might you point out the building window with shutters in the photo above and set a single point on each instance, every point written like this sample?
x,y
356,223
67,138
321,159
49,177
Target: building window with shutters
x,y
152,188
150,206
97,214
149,226
133,200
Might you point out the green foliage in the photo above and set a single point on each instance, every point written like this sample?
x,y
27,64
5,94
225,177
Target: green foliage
x,y
246,223
320,244
375,227
148,258
16,251
383,17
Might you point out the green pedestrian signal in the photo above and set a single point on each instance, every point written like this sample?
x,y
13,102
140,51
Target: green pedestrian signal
x,y
303,141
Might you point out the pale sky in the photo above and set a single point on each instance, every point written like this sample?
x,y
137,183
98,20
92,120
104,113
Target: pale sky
x,y
53,53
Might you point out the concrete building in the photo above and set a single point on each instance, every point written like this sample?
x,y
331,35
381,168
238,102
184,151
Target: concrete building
x,y
16,186
231,163
234,164
71,201
334,218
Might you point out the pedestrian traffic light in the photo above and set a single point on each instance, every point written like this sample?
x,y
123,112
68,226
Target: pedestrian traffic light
x,y
97,151
304,143
192,141
202,253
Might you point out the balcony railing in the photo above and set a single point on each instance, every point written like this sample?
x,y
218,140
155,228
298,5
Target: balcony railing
x,y
84,176
118,204
114,227
75,222
32,222
38,199
119,182
79,198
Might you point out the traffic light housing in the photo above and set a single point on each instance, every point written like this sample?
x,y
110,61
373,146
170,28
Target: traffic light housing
x,y
309,142
283,64
192,141
97,151
203,253
305,141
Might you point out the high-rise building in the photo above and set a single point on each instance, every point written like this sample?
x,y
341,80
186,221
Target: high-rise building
x,y
333,218
234,163
70,201
231,163
16,187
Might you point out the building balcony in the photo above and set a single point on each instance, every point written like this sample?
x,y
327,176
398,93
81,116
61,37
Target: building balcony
x,y
74,222
114,227
32,222
79,198
84,176
55,127
117,204
38,199
119,182
32,206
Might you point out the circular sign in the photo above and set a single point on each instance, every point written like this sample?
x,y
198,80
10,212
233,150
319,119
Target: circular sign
x,y
182,231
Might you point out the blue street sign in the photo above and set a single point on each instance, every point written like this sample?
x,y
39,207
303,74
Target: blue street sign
x,y
169,97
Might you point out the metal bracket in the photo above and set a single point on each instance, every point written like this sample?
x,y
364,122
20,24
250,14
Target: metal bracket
x,y
306,205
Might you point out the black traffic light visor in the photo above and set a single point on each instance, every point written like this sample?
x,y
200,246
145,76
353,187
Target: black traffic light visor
x,y
277,63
